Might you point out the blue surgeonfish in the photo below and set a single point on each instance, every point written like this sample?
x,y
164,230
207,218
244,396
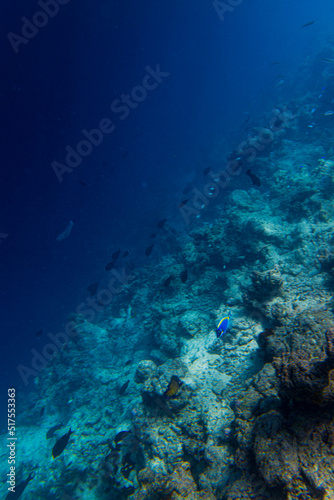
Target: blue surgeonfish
x,y
223,325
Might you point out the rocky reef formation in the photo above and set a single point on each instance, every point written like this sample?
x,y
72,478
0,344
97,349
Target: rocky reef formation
x,y
284,427
160,408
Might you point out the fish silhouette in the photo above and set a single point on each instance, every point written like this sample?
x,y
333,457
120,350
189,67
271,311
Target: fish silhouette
x,y
148,250
254,178
64,231
123,388
161,223
184,276
60,445
19,489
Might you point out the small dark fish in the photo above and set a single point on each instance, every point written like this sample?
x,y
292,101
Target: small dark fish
x,y
123,388
184,276
173,387
148,250
92,289
60,445
83,183
38,334
52,430
41,413
254,178
328,60
206,170
278,123
129,362
308,24
274,63
161,223
109,266
121,435
153,235
125,254
115,255
168,281
183,202
19,489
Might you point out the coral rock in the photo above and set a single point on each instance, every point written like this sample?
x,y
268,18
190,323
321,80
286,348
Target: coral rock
x,y
179,485
265,285
305,379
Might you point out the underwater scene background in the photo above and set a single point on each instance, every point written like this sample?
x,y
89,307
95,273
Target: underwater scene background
x,y
167,250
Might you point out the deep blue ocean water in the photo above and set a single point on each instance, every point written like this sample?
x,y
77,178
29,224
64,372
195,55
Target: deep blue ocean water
x,y
217,74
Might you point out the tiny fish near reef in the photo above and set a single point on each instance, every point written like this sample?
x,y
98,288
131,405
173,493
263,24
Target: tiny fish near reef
x,y
123,388
184,276
148,250
254,178
92,289
183,202
110,265
173,387
19,489
115,255
61,444
308,24
161,223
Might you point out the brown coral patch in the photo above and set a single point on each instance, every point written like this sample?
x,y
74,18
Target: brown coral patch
x,y
179,485
265,285
303,379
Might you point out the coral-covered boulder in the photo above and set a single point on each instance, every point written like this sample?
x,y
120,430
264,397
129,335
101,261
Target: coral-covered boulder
x,y
179,485
304,379
265,285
